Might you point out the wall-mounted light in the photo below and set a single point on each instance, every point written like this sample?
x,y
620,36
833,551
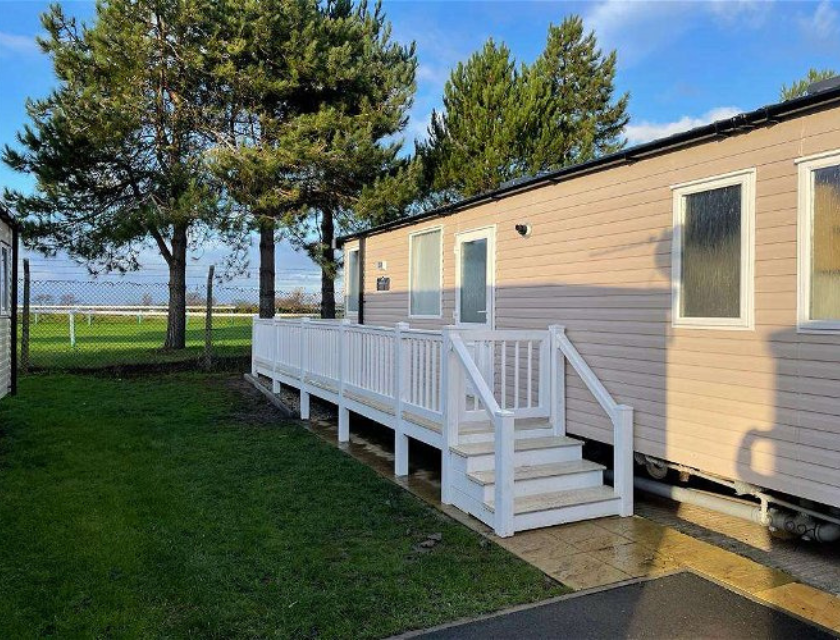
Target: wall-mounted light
x,y
382,265
523,229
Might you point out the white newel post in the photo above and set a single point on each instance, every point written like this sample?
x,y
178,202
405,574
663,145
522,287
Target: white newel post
x,y
304,357
452,382
400,379
557,394
277,338
343,367
623,457
503,504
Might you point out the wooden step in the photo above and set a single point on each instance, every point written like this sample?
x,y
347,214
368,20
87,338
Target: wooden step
x,y
520,424
538,471
561,499
528,444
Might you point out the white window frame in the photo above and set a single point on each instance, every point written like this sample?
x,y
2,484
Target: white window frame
x,y
347,312
746,179
807,165
411,236
6,285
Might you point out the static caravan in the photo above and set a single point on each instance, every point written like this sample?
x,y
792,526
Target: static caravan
x,y
679,300
8,301
698,276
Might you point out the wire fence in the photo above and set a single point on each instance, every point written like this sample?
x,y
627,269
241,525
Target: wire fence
x,y
79,325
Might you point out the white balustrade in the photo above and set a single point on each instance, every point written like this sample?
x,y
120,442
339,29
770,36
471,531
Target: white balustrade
x,y
437,380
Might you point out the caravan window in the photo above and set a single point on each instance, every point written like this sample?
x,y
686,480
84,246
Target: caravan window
x,y
713,252
425,273
819,243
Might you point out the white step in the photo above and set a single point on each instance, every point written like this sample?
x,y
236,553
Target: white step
x,y
480,456
472,432
559,507
544,478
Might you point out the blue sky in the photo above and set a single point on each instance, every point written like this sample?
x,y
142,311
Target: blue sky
x,y
684,63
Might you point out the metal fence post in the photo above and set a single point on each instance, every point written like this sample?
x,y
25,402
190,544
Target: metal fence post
x,y
208,320
24,325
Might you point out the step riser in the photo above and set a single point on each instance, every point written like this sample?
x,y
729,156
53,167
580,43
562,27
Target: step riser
x,y
563,515
549,484
471,504
487,436
530,457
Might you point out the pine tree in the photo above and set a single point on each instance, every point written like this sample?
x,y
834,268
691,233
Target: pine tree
x,y
500,123
118,148
316,126
472,142
568,98
274,73
349,147
800,87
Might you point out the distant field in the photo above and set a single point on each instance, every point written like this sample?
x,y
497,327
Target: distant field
x,y
123,340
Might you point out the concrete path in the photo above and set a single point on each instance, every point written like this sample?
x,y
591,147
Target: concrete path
x,y
683,605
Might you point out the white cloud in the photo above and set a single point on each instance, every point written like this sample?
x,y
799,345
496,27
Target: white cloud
x,y
822,25
747,13
645,131
638,29
11,43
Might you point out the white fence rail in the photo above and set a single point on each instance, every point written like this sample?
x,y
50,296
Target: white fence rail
x,y
425,384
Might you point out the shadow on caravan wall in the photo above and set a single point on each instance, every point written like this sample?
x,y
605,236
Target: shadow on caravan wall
x,y
759,404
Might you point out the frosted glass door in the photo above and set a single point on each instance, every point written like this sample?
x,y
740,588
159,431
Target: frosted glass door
x,y
474,301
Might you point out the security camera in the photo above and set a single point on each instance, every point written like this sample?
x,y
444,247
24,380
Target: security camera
x,y
523,229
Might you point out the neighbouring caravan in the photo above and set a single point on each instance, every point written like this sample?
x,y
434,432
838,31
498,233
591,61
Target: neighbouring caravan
x,y
697,275
8,296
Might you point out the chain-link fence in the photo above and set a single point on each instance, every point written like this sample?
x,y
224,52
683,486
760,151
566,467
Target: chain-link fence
x,y
73,324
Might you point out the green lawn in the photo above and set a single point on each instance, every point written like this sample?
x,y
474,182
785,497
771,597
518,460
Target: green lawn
x,y
122,340
180,505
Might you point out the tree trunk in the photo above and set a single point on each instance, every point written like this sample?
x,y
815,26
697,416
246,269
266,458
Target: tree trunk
x,y
327,265
267,251
176,323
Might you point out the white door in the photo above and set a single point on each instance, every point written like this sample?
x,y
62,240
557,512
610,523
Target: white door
x,y
474,258
474,294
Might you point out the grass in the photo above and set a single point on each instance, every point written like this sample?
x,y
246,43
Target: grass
x,y
182,506
122,340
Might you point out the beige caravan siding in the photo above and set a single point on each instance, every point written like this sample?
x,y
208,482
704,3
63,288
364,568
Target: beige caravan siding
x,y
760,405
5,329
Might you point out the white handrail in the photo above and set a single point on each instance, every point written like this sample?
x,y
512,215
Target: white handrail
x,y
620,415
503,430
584,371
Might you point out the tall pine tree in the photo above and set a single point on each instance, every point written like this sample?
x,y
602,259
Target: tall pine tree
x,y
349,146
274,73
323,91
570,115
500,123
472,142
118,148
